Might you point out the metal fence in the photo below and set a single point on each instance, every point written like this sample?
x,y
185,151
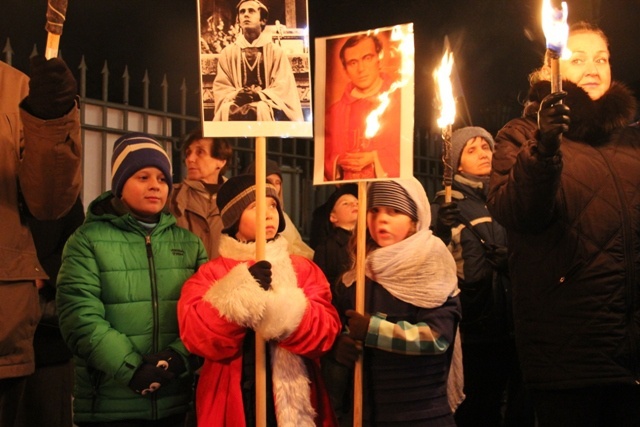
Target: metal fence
x,y
103,121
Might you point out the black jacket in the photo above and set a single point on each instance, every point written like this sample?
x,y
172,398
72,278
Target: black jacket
x,y
484,296
573,224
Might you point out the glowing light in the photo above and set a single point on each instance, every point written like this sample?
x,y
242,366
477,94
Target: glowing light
x,y
401,41
555,28
447,102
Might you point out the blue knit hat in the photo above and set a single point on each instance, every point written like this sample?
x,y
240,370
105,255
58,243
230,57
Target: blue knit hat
x,y
132,152
459,139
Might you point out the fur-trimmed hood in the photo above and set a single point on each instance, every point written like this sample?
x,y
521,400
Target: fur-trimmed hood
x,y
591,121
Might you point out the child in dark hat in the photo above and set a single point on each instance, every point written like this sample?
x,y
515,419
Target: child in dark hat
x,y
408,330
117,291
297,246
333,256
285,298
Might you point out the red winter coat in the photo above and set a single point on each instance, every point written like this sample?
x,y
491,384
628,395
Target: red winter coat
x,y
222,300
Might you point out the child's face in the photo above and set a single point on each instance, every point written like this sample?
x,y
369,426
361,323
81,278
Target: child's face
x,y
146,191
388,225
247,226
345,212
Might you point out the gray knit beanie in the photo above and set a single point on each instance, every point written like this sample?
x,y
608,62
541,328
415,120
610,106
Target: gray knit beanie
x,y
459,139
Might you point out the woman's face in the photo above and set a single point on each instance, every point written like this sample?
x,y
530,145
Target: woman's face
x,y
200,165
588,66
476,157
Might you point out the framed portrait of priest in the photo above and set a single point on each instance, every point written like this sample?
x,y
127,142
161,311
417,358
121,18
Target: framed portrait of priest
x,y
364,105
254,67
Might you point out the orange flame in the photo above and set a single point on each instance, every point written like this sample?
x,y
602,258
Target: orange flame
x,y
402,36
445,90
555,28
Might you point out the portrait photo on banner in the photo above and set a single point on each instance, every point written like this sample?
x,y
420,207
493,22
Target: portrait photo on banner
x,y
255,68
364,104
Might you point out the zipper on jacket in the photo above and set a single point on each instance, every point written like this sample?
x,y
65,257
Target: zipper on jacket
x,y
154,306
630,283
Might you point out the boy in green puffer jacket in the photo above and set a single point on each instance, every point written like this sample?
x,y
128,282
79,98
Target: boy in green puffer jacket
x,y
121,276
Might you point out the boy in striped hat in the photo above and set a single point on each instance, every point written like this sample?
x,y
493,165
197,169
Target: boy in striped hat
x,y
121,276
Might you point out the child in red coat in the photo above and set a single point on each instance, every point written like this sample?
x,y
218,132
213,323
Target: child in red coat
x,y
285,298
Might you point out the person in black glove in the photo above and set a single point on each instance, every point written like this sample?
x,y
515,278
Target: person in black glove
x,y
121,326
261,271
553,120
479,245
52,88
286,301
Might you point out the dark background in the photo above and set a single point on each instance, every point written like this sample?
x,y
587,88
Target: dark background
x,y
496,43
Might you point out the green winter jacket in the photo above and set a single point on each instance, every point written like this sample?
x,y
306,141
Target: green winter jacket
x,y
118,289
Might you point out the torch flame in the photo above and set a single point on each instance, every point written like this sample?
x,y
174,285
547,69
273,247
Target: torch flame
x,y
401,35
555,28
445,90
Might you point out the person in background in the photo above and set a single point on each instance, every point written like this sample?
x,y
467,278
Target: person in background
x,y
297,246
479,246
118,287
285,298
333,256
193,201
564,184
40,164
412,310
254,80
47,398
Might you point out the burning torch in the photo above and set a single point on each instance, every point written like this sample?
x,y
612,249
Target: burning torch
x,y
447,105
556,31
56,14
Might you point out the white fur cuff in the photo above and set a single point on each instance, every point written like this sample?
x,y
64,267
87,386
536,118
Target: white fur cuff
x,y
238,297
283,313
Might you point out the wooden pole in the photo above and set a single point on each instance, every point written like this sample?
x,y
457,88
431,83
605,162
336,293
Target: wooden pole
x,y
361,241
261,242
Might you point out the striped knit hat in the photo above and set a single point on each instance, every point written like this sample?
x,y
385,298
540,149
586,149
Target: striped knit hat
x,y
235,195
392,195
132,152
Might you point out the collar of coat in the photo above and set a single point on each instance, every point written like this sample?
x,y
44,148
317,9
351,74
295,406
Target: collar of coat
x,y
591,121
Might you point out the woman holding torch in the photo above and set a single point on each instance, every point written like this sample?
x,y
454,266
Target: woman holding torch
x,y
565,185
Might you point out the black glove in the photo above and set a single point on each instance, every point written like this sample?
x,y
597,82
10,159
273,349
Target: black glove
x,y
168,359
346,350
358,324
553,119
52,88
149,378
498,257
448,217
261,271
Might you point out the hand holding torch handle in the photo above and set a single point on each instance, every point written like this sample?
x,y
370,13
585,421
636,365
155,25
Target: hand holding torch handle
x,y
56,14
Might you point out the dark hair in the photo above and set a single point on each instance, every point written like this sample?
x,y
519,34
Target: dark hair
x,y
221,148
264,12
354,40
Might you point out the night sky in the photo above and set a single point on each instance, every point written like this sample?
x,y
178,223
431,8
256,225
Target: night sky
x,y
496,43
